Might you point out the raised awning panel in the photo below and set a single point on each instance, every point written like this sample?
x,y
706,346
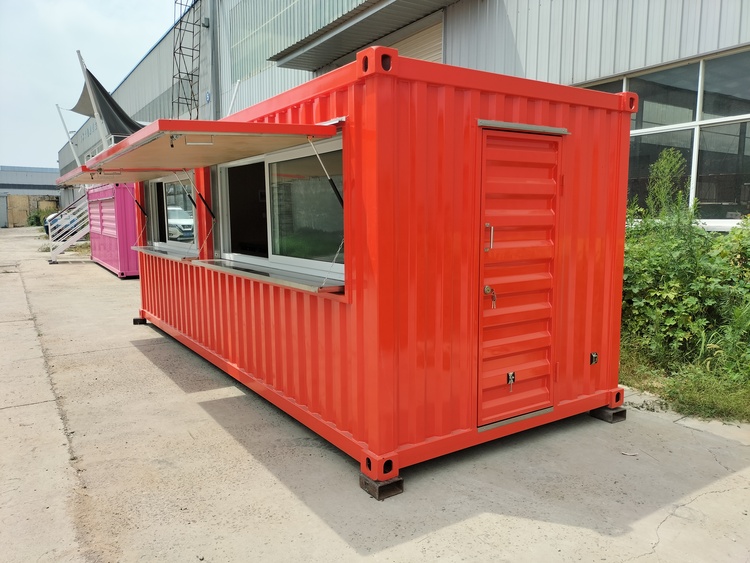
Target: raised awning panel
x,y
170,145
85,176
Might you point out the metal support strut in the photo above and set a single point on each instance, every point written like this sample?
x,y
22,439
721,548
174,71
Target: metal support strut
x,y
381,490
607,414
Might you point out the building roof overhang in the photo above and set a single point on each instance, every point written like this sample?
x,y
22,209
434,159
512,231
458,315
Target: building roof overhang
x,y
356,29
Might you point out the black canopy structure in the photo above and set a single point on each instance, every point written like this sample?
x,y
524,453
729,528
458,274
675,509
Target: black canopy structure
x,y
118,123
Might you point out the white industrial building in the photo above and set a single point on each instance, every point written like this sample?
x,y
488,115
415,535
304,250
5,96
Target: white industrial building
x,y
688,60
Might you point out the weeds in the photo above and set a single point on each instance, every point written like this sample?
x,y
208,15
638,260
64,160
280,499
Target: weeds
x,y
686,303
36,219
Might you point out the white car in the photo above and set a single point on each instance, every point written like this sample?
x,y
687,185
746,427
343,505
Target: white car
x,y
179,224
59,221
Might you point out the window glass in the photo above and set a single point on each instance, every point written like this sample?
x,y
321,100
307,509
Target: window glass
x,y
727,86
613,87
248,226
307,219
666,97
723,187
175,212
645,149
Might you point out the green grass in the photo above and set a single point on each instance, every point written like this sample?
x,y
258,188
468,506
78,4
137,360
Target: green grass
x,y
692,390
686,303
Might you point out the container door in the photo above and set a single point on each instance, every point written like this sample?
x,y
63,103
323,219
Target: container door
x,y
520,176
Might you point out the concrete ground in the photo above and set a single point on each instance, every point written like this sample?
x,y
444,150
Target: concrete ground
x,y
119,444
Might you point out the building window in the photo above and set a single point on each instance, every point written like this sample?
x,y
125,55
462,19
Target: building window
x,y
174,217
610,87
727,86
645,149
723,189
282,211
666,97
709,126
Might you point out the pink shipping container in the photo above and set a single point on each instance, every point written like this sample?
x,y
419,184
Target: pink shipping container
x,y
112,211
484,220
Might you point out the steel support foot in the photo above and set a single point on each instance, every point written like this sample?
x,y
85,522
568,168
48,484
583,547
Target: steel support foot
x,y
381,490
607,414
139,321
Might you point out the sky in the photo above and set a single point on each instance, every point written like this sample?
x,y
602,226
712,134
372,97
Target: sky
x,y
39,66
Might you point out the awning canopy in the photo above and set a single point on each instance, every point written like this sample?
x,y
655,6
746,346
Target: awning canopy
x,y
167,146
83,176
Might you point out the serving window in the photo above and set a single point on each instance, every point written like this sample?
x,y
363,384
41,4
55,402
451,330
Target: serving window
x,y
280,210
172,208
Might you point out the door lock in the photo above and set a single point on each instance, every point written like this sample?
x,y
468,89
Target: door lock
x,y
489,291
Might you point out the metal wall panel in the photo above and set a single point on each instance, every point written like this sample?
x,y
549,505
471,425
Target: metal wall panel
x,y
426,45
249,33
574,41
28,175
146,93
388,371
607,48
656,23
672,30
3,211
710,20
730,24
112,222
624,15
258,30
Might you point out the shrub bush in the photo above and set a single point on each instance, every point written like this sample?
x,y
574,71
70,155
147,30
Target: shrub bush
x,y
36,219
686,297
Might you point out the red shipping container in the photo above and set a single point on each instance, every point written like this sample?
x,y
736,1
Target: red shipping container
x,y
484,220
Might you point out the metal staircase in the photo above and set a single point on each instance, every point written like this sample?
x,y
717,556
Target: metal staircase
x,y
68,227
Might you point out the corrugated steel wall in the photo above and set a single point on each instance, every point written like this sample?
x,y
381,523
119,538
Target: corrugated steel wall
x,y
305,346
146,94
435,245
291,341
3,211
112,221
250,32
393,365
426,44
574,41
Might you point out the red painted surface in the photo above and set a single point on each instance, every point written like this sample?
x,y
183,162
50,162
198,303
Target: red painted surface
x,y
411,362
113,228
520,185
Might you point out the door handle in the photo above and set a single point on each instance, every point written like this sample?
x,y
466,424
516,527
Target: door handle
x,y
492,235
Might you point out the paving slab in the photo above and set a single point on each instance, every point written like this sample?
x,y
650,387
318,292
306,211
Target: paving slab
x,y
144,451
